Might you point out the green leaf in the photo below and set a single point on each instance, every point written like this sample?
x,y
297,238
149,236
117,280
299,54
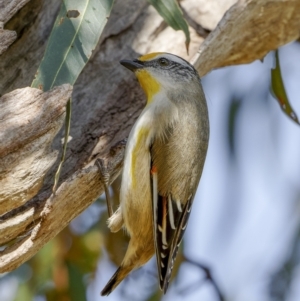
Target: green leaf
x,y
234,110
172,14
75,34
279,91
76,285
67,132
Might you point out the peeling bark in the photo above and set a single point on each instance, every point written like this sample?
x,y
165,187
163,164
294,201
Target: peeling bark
x,y
247,32
29,121
9,7
72,197
7,37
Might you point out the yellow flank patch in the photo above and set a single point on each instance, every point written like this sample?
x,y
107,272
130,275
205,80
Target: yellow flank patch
x,y
149,56
149,84
140,141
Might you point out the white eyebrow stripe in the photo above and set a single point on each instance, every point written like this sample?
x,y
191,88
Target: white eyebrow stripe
x,y
164,234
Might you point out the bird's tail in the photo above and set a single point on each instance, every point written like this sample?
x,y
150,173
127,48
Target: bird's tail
x,y
115,280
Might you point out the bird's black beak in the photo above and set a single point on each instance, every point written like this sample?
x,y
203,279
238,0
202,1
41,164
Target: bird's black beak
x,y
132,65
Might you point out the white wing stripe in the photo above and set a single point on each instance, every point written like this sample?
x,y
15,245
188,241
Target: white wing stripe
x,y
171,214
179,206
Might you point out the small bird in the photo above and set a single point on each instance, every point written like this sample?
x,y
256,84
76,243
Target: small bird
x,y
163,163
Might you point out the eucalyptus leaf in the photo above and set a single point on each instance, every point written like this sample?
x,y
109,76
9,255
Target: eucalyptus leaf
x,y
172,14
74,36
279,93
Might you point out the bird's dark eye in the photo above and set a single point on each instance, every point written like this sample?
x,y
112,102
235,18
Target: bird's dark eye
x,y
163,62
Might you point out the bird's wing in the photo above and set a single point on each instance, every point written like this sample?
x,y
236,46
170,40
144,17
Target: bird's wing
x,y
170,219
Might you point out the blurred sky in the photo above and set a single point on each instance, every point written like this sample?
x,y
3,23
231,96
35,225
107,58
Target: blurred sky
x,y
246,210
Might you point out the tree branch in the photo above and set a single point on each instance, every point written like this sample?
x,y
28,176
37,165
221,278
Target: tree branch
x,y
247,32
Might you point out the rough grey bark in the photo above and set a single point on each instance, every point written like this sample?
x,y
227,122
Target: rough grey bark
x,y
248,31
7,37
28,128
106,102
7,9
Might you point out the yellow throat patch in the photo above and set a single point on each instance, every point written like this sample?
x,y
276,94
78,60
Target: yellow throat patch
x,y
149,84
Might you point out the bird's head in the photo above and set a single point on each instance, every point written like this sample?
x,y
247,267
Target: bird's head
x,y
161,71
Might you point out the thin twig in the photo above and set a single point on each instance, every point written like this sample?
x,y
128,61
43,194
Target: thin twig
x,y
208,277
